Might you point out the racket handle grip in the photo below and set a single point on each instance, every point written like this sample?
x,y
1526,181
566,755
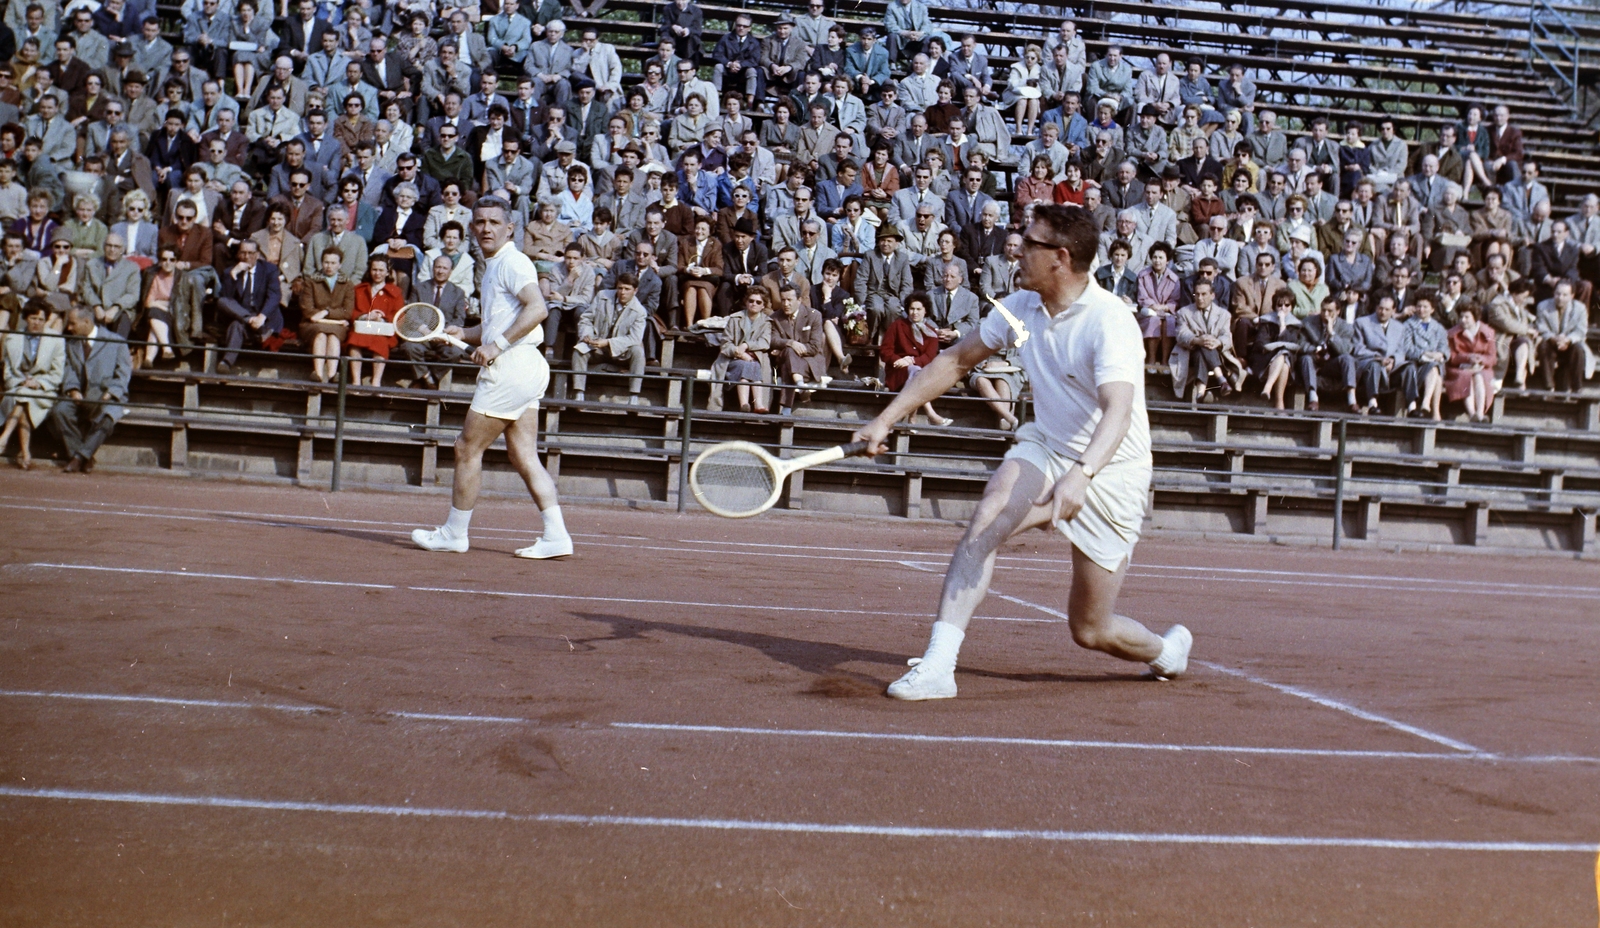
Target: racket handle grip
x,y
854,448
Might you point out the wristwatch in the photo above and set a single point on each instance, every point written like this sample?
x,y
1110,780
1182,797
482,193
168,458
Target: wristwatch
x,y
501,343
1088,472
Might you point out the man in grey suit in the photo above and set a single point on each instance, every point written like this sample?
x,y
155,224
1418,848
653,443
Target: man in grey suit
x,y
999,275
1154,218
1564,356
93,389
19,265
955,308
110,287
903,208
611,333
1380,351
1124,191
451,301
883,280
550,65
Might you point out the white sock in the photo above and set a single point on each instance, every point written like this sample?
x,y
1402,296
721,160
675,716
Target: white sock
x,y
555,528
1164,661
943,646
456,524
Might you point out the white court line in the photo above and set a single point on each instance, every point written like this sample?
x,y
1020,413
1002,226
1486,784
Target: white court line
x,y
808,828
160,700
439,717
822,733
515,594
1324,701
1246,575
1346,708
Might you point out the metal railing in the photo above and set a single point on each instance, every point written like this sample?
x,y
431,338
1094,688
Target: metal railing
x,y
1549,28
679,449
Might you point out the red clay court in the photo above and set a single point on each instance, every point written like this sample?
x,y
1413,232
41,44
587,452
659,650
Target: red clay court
x,y
241,705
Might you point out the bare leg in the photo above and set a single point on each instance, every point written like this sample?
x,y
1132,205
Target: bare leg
x,y
12,421
1433,393
835,346
998,395
355,366
522,446
377,372
743,392
1093,623
933,417
1006,509
25,441
1021,115
1519,358
477,434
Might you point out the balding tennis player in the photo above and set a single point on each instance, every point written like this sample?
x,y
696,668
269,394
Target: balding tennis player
x,y
510,385
1083,465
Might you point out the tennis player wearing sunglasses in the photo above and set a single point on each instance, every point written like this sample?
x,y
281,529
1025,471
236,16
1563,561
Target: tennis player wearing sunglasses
x,y
1083,465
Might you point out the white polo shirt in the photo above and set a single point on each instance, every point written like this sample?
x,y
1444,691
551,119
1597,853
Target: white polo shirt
x,y
1096,341
507,273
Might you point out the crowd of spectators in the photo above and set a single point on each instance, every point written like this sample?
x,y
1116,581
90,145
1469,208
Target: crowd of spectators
x,y
821,202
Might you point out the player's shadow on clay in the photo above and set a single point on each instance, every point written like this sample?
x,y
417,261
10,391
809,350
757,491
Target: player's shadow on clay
x,y
822,658
359,534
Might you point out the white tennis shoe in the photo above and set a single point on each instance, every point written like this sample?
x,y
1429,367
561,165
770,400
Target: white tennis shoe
x,y
1174,657
923,682
543,549
436,539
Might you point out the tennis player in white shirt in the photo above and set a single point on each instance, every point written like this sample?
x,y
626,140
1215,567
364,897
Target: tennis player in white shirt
x,y
1083,465
510,386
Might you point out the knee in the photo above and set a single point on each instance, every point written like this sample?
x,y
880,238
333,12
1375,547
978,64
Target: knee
x,y
1090,635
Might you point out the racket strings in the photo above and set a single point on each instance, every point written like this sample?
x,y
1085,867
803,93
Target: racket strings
x,y
419,321
734,481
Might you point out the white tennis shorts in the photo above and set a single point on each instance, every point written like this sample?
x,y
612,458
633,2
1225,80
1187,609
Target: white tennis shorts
x,y
513,384
1108,525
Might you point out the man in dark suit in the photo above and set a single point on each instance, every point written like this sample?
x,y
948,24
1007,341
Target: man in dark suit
x,y
305,34
170,152
964,207
1124,191
744,263
406,172
383,72
400,227
439,291
1556,260
92,390
239,216
250,301
1327,349
983,238
324,154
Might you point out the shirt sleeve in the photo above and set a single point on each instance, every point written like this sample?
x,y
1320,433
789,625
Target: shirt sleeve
x,y
996,332
1118,349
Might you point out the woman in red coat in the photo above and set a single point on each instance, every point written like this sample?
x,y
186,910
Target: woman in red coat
x,y
910,344
1470,374
377,300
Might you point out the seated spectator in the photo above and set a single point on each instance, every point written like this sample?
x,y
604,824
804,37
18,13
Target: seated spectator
x,y
1469,376
327,305
883,280
700,257
109,286
611,332
568,290
34,364
1308,288
1327,349
94,385
910,343
786,270
1427,350
953,310
441,290
1563,325
744,359
799,345
1204,350
58,277
1116,277
1380,351
1274,345
828,299
1158,288
1555,261
999,275
1000,380
377,299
